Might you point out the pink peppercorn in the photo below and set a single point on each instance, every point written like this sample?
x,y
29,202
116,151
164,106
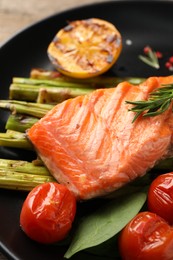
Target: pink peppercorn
x,y
171,59
168,64
147,49
159,54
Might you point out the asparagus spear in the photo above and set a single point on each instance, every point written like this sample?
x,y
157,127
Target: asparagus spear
x,y
15,139
29,90
60,88
95,82
28,108
18,140
20,122
22,175
34,167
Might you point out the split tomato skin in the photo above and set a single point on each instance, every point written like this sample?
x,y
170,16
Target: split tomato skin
x,y
160,197
48,213
146,237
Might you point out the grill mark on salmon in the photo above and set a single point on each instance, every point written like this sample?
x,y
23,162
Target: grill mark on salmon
x,y
90,144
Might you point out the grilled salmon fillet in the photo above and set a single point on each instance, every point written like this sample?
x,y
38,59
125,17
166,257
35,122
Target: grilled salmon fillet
x,y
90,144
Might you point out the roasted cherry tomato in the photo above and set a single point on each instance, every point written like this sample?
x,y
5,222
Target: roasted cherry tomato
x,y
48,212
160,196
146,237
85,48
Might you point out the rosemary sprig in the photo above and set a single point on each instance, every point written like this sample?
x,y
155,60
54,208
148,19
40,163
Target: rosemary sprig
x,y
158,102
150,58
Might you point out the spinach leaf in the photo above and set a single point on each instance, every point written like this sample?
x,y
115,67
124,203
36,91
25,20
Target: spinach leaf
x,y
108,249
105,222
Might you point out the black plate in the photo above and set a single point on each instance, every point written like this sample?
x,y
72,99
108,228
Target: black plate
x,y
143,23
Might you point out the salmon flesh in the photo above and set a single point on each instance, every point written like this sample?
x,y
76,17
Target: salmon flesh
x,y
90,144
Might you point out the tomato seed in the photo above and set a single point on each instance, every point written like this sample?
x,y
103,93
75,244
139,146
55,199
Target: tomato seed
x,y
147,49
168,64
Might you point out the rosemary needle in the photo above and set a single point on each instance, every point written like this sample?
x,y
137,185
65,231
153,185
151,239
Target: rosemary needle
x,y
158,102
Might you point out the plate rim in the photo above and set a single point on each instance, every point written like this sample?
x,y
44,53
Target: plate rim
x,y
71,9
3,248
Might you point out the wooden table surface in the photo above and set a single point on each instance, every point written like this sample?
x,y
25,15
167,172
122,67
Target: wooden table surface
x,y
16,15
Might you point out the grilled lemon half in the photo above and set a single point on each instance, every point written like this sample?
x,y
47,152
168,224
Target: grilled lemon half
x,y
85,48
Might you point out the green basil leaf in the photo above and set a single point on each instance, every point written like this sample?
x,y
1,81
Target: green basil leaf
x,y
108,249
105,222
